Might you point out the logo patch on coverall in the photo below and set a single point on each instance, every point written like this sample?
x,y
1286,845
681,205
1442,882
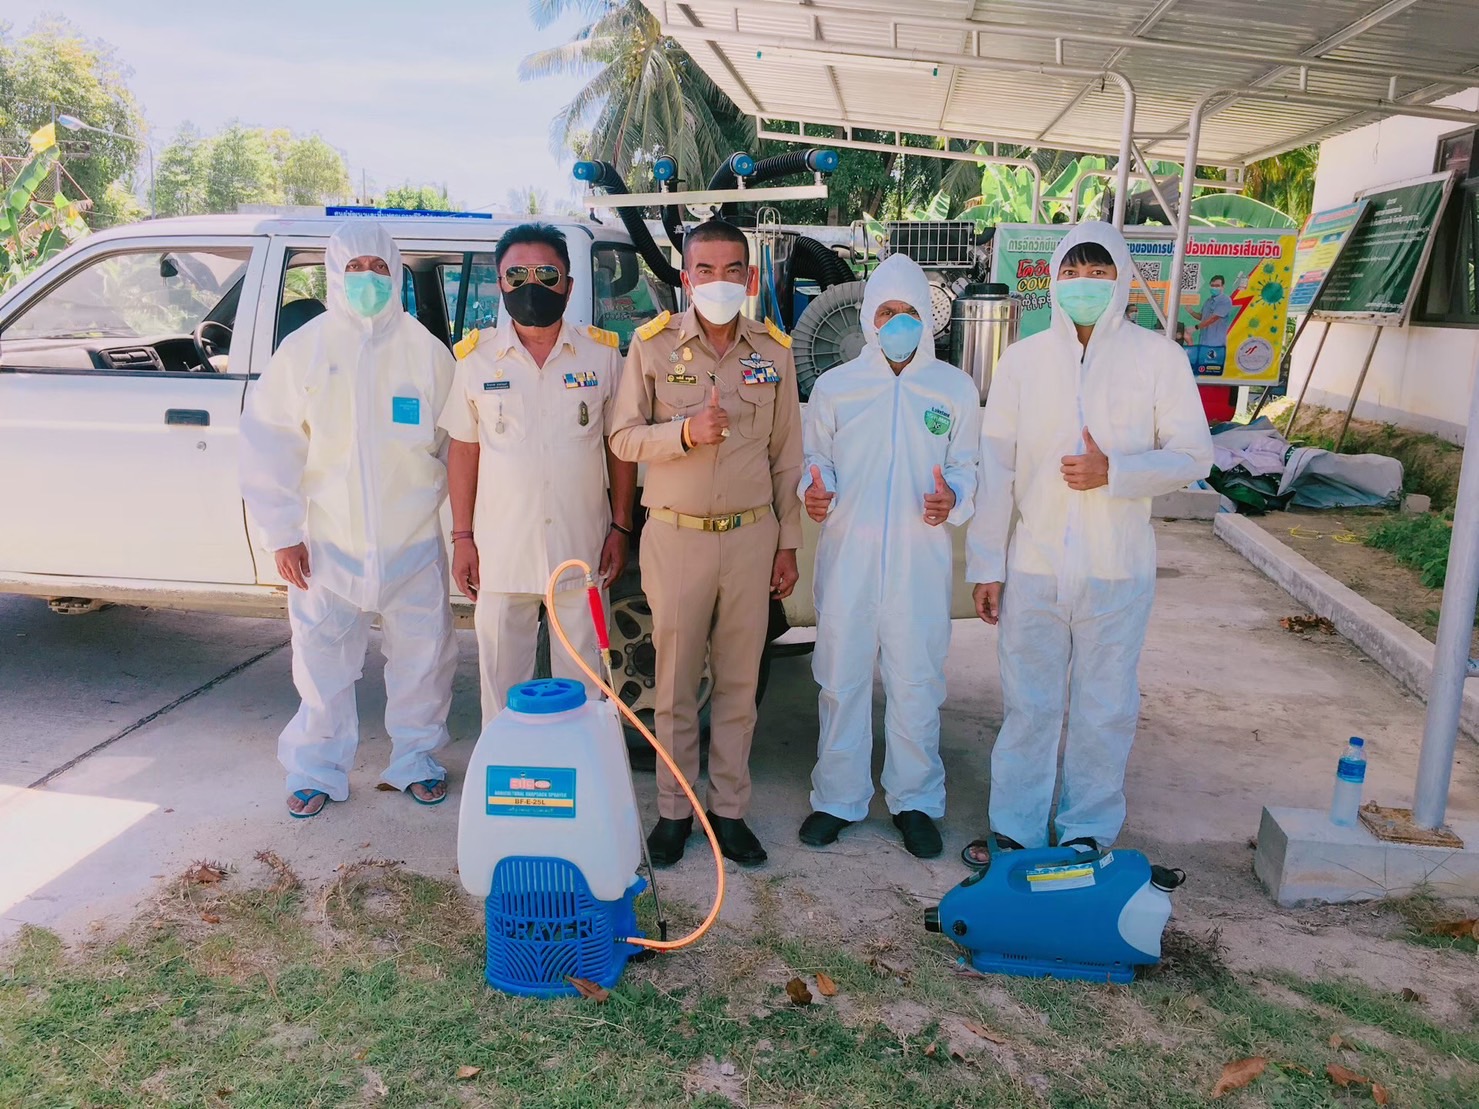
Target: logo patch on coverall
x,y
937,420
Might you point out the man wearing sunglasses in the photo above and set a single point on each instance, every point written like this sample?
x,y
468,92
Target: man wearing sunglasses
x,y
708,402
529,470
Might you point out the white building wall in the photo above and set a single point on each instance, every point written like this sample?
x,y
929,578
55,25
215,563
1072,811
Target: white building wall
x,y
1420,376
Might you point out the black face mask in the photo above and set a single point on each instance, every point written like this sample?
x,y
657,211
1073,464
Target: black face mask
x,y
533,305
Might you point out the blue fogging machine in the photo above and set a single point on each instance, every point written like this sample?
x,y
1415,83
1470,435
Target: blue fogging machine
x,y
1058,912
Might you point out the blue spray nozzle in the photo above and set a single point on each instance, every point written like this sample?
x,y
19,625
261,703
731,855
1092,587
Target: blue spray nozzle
x,y
664,169
742,164
587,171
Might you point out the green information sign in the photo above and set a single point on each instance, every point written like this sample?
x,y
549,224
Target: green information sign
x,y
1375,278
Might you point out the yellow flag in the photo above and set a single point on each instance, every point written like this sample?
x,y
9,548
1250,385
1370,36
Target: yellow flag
x,y
44,138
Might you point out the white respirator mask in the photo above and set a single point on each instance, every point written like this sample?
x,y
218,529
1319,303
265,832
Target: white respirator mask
x,y
718,301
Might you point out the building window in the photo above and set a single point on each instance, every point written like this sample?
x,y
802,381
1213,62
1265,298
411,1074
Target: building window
x,y
1449,294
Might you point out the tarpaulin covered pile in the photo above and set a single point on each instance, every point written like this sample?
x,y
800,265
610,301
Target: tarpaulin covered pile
x,y
1258,469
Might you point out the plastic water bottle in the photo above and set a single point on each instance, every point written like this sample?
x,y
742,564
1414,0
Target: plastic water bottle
x,y
1350,774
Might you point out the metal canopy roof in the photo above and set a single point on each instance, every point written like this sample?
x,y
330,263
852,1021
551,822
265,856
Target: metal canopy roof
x,y
1044,72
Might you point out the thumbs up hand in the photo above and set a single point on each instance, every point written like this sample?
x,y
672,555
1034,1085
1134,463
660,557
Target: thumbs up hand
x,y
1089,470
937,505
711,426
818,500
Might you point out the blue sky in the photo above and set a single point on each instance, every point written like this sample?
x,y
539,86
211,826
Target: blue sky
x,y
422,91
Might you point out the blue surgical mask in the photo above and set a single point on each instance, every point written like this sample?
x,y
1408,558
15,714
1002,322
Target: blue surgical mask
x,y
1084,298
900,337
368,293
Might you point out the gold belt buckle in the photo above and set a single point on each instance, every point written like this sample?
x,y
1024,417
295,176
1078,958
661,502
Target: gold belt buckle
x,y
724,523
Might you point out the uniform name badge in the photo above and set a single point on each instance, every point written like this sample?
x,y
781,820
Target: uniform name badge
x,y
405,410
937,420
582,380
494,386
682,379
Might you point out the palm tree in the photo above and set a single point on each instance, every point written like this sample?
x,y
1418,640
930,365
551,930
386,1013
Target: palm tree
x,y
645,95
1286,181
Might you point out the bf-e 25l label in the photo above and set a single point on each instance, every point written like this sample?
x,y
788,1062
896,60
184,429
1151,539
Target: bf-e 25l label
x,y
545,791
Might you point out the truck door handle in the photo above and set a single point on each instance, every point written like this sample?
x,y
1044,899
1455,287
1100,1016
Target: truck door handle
x,y
190,417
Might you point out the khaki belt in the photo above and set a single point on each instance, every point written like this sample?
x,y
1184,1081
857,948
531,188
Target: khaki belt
x,y
709,523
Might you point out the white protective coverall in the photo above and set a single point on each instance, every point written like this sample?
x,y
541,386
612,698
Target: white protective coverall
x,y
1079,567
883,576
340,449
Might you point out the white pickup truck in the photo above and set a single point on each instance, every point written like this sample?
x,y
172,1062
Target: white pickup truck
x,y
124,365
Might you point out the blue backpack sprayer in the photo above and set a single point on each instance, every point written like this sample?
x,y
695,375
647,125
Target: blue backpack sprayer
x,y
1059,912
549,833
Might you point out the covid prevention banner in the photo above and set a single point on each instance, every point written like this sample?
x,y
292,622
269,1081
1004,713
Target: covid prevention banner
x,y
1320,243
1234,291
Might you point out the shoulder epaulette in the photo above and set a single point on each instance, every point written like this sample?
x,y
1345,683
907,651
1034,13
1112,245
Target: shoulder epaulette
x,y
777,334
466,345
653,326
604,337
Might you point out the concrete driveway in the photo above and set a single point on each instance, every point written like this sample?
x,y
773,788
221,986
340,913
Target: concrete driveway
x,y
153,738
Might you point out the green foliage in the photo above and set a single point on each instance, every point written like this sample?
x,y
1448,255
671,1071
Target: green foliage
x,y
1233,210
32,230
245,165
425,198
1287,181
1419,541
645,95
54,70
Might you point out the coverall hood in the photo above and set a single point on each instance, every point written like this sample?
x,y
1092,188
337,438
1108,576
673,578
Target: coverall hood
x,y
355,239
1111,240
897,278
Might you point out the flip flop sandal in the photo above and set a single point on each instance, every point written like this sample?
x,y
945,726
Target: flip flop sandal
x,y
992,846
306,796
429,784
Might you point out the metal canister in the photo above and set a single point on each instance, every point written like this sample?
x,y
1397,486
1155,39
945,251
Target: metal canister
x,y
983,322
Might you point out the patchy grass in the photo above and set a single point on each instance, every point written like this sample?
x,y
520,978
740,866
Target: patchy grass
x,y
1420,541
1425,917
369,992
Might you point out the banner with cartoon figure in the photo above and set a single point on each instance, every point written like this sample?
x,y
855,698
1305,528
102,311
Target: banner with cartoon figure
x,y
1234,291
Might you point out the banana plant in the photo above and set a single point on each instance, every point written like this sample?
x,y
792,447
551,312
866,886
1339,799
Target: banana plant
x,y
32,231
1234,210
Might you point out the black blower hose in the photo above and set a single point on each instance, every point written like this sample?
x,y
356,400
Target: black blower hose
x,y
767,169
642,238
814,260
672,223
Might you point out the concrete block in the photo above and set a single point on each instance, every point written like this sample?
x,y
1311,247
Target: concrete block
x,y
1187,504
1415,504
1303,858
1402,652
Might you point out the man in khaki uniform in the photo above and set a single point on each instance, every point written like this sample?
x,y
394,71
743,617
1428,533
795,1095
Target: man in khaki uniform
x,y
708,401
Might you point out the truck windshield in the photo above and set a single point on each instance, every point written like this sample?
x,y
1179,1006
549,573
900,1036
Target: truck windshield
x,y
134,295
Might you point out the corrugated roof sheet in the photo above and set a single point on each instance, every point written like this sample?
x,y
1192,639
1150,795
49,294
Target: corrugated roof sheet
x,y
819,61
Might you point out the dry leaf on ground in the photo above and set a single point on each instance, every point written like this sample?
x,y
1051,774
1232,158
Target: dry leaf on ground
x,y
1307,623
204,873
825,986
1239,1073
984,1033
929,1052
1409,994
1336,1042
589,989
386,787
210,918
1380,1094
1344,1076
798,993
464,1073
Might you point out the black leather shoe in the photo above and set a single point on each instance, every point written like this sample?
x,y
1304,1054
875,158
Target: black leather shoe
x,y
821,828
665,844
736,842
921,837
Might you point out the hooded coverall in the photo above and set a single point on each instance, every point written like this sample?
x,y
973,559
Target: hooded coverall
x,y
883,575
1078,567
340,450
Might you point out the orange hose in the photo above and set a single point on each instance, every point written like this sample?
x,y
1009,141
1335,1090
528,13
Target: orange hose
x,y
554,623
